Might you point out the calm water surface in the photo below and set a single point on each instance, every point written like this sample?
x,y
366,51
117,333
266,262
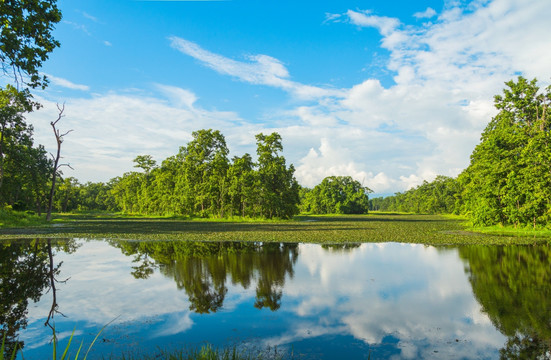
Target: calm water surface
x,y
317,302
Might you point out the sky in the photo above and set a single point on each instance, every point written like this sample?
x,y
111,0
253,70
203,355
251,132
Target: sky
x,y
389,92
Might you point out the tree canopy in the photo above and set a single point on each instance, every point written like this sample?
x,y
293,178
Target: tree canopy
x,y
337,195
26,38
201,181
509,178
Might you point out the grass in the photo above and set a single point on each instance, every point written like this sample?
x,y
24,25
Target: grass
x,y
11,218
526,231
332,229
66,351
205,352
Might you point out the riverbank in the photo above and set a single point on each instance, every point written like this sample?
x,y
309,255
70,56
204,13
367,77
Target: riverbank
x,y
322,229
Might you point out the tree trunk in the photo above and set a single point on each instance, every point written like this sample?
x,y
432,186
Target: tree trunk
x,y
59,140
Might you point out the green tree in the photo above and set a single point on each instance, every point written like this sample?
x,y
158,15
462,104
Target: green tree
x,y
278,188
338,195
125,191
440,196
24,169
94,196
26,38
145,162
509,178
67,193
205,166
13,128
242,189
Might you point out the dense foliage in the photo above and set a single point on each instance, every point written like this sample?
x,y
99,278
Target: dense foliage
x,y
336,195
508,180
201,181
436,197
26,38
24,168
25,43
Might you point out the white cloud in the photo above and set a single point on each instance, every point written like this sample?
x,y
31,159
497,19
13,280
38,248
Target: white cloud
x,y
66,83
78,26
385,25
90,17
329,17
427,14
328,161
260,70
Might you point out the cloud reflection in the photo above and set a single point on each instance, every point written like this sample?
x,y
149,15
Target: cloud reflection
x,y
419,295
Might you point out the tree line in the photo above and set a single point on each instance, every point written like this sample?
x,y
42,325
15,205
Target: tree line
x,y
201,181
508,180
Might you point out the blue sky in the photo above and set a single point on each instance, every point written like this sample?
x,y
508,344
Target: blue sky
x,y
391,93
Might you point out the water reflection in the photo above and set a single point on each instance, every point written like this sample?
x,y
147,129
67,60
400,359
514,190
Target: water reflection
x,y
201,269
27,272
513,285
379,300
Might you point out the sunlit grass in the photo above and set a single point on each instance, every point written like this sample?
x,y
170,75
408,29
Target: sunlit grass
x,y
11,218
521,231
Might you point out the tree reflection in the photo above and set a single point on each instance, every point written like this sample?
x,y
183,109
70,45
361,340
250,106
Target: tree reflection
x,y
513,285
27,271
202,269
341,247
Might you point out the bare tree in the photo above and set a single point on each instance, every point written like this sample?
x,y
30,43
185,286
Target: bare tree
x,y
57,165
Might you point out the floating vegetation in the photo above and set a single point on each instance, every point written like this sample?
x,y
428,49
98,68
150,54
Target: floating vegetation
x,y
406,228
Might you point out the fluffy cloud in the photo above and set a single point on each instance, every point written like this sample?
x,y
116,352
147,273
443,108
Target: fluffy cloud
x,y
385,25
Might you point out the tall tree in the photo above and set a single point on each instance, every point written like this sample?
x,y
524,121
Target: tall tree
x,y
338,195
205,168
145,162
242,186
278,187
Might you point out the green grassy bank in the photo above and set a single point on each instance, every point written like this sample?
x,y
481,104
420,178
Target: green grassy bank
x,y
375,227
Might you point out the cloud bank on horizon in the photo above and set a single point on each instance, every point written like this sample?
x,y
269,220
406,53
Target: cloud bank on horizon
x,y
445,71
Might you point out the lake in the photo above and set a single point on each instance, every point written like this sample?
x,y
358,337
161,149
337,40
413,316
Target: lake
x,y
308,301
